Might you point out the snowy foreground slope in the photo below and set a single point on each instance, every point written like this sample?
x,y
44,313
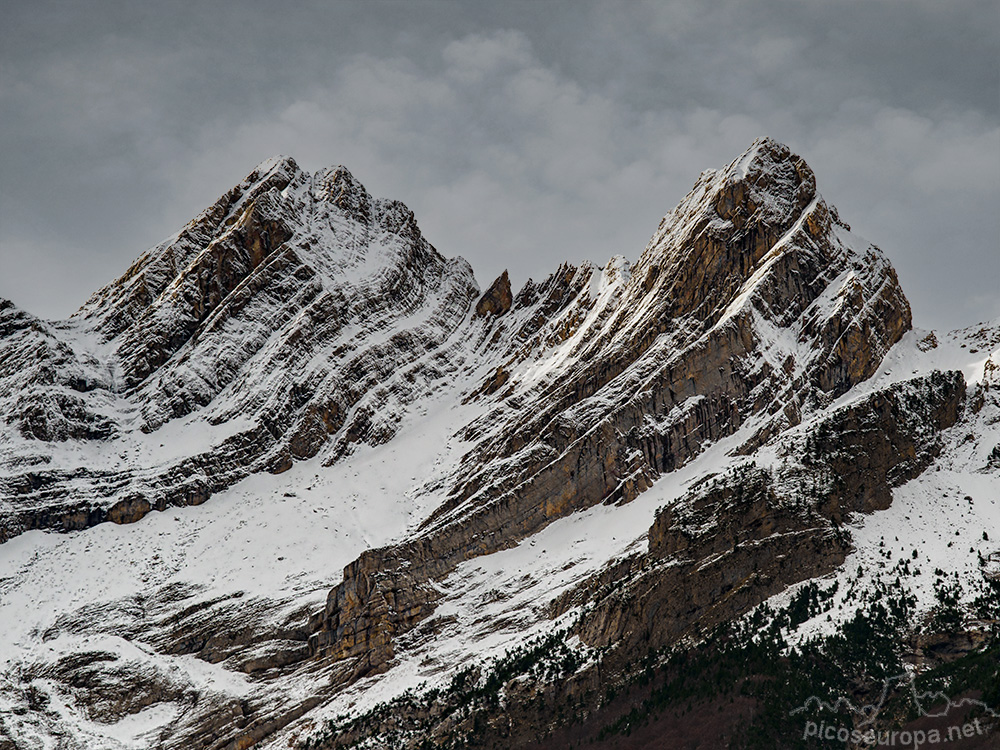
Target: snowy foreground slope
x,y
528,493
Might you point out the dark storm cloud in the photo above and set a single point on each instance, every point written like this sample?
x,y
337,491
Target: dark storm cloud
x,y
522,134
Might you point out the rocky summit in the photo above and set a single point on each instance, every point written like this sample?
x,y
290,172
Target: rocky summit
x,y
666,500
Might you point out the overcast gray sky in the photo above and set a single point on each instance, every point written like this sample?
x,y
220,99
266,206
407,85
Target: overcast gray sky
x,y
522,134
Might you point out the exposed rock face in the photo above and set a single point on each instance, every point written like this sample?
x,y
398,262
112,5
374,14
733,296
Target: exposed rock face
x,y
751,534
280,312
725,546
277,315
47,386
298,318
749,303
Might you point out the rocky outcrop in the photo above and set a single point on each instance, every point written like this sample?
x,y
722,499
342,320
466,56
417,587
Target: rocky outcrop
x,y
728,544
497,299
48,387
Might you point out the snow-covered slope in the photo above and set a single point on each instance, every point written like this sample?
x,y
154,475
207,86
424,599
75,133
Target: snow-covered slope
x,y
949,515
622,454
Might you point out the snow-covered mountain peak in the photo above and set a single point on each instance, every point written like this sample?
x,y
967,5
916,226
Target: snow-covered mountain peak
x,y
328,217
339,187
778,184
765,190
278,162
272,314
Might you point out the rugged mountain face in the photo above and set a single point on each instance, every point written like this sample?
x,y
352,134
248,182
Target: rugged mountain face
x,y
626,456
680,351
295,308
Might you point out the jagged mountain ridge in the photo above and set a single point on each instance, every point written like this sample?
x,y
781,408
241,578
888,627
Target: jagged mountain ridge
x,y
299,322
626,415
275,315
234,305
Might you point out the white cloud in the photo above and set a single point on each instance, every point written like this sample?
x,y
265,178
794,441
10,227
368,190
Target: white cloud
x,y
475,57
